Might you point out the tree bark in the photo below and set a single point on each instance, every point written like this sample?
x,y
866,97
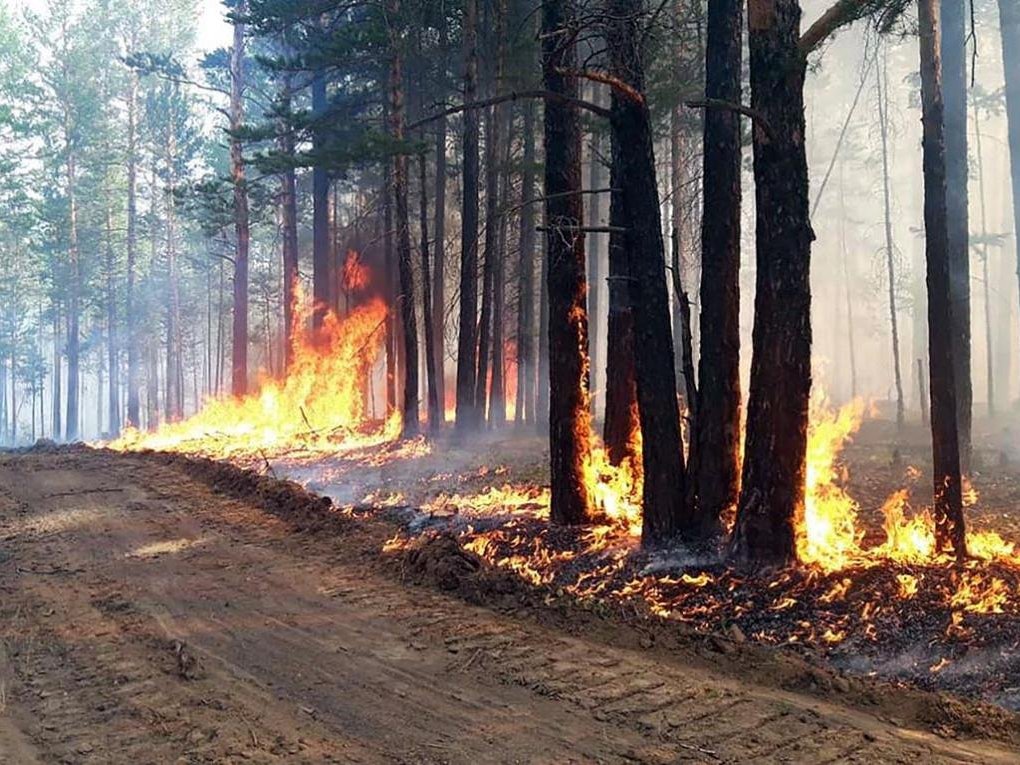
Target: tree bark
x,y
948,504
239,346
405,300
438,314
112,346
526,368
569,416
954,74
288,205
435,409
133,354
321,276
985,283
1009,29
622,427
597,244
883,119
717,437
662,450
772,485
57,409
73,302
467,333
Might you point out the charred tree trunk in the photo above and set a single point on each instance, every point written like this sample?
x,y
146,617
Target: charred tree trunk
x,y
438,286
497,391
485,350
288,205
467,335
717,436
1009,27
525,411
662,449
239,346
390,322
321,276
405,300
435,409
622,427
772,485
883,119
948,505
133,354
954,75
569,416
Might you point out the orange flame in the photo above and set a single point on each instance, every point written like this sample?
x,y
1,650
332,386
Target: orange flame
x,y
318,407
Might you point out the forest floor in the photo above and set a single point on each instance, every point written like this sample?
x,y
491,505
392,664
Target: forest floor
x,y
161,609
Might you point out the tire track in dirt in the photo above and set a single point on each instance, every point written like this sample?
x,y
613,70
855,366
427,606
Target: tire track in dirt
x,y
150,619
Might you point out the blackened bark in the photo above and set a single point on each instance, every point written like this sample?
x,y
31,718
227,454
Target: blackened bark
x,y
948,504
320,205
467,333
526,367
569,417
239,354
1009,28
662,450
772,485
954,75
438,315
622,427
435,411
717,431
389,329
406,301
485,350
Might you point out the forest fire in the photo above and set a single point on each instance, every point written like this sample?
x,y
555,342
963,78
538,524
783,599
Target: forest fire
x,y
320,406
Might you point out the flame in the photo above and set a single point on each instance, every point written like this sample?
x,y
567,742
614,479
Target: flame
x,y
319,407
355,275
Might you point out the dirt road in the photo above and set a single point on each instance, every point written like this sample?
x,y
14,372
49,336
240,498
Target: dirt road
x,y
146,619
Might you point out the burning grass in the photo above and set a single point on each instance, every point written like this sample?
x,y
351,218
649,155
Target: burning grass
x,y
873,593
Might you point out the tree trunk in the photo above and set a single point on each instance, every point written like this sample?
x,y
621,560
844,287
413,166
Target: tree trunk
x,y
438,286
845,257
717,437
948,504
288,204
467,334
662,449
112,348
321,276
622,427
1009,27
173,403
134,356
390,322
954,74
772,485
73,310
435,409
525,411
883,119
487,352
239,346
405,268
986,285
596,244
497,391
569,415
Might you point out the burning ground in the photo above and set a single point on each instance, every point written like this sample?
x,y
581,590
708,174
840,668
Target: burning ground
x,y
872,596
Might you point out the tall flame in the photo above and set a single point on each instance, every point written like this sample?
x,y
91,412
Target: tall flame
x,y
319,405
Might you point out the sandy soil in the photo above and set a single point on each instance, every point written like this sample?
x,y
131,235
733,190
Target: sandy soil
x,y
146,617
